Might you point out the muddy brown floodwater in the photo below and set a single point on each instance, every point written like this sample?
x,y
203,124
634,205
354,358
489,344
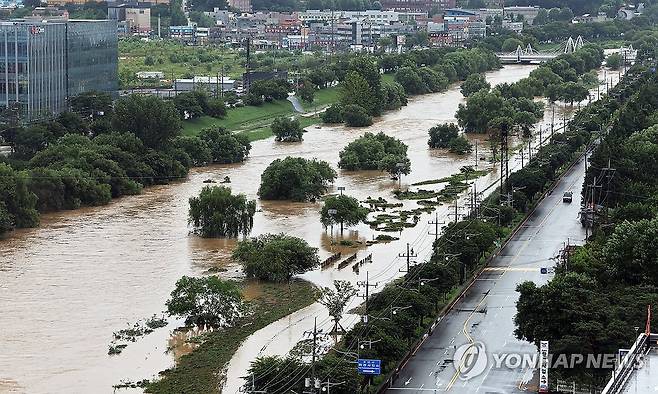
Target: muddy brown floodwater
x,y
66,286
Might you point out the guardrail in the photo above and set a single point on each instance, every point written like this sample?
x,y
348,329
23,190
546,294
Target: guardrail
x,y
626,366
393,375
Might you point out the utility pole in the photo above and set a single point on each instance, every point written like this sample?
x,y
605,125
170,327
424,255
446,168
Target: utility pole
x,y
366,296
456,213
553,120
609,173
564,122
589,212
476,154
408,256
436,224
530,150
221,84
474,204
540,137
504,157
315,333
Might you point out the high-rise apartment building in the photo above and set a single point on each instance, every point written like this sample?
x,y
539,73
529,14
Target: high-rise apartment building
x,y
45,63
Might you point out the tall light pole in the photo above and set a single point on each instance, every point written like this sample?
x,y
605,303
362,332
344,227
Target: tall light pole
x,y
332,213
399,167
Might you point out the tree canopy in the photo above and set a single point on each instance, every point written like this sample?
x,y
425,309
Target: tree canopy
x,y
225,147
152,120
373,152
207,300
218,213
295,178
349,211
275,257
441,135
287,130
474,83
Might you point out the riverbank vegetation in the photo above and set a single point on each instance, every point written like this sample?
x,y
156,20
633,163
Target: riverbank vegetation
x,y
202,369
99,152
218,213
601,290
275,257
511,106
376,152
287,130
296,179
206,301
343,210
458,253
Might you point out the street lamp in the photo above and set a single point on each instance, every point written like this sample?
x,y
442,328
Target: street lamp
x,y
399,166
396,309
362,344
331,213
424,281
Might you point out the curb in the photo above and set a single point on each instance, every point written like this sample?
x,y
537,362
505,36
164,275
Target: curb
x,y
447,308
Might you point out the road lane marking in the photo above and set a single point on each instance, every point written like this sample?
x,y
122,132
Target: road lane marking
x,y
470,339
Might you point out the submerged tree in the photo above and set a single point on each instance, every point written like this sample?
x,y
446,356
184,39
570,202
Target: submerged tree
x,y
347,209
287,130
218,213
275,257
441,135
208,300
295,178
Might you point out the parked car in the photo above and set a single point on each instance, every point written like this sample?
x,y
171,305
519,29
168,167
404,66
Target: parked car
x,y
567,197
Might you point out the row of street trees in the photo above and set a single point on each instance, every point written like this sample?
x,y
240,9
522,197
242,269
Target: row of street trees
x,y
601,291
396,314
509,106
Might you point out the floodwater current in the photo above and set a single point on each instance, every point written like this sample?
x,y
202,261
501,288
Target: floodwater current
x,y
67,285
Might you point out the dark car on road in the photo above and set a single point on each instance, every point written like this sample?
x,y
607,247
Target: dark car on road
x,y
567,197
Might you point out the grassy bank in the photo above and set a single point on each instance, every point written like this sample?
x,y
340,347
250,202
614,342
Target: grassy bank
x,y
198,372
255,121
245,118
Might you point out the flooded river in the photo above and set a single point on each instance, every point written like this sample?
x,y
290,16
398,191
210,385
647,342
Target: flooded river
x,y
66,286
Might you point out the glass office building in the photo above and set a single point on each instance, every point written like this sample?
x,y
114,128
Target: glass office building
x,y
44,63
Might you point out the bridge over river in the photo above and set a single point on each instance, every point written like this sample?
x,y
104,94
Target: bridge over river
x,y
529,54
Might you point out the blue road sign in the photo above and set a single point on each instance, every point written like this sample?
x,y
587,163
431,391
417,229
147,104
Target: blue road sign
x,y
543,270
369,367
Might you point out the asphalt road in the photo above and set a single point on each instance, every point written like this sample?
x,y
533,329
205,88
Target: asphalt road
x,y
485,316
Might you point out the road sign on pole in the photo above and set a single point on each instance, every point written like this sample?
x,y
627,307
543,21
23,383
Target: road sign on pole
x,y
369,367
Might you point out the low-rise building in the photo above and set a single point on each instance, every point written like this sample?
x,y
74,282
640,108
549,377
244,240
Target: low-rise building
x,y
150,74
221,17
209,84
418,5
528,13
183,33
50,13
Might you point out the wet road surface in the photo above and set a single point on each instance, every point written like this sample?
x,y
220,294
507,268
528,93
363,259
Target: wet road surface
x,y
485,315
